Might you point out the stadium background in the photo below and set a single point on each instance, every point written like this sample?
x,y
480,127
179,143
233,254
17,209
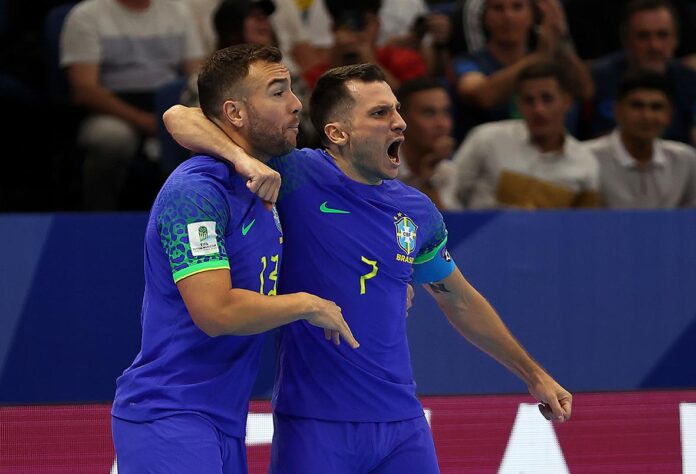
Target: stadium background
x,y
604,301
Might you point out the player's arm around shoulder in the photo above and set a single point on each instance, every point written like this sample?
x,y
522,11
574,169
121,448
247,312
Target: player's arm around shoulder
x,y
192,130
469,312
219,309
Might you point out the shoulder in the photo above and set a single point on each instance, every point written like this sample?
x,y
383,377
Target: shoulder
x,y
177,8
468,63
200,183
411,200
678,149
205,167
578,148
600,147
201,175
497,130
609,64
87,10
303,156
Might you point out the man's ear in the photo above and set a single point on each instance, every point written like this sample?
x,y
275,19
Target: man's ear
x,y
336,134
234,112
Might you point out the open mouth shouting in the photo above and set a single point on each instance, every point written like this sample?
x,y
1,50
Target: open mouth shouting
x,y
393,151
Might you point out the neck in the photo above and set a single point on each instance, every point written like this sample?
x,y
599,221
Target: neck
x,y
345,165
507,53
640,150
549,143
246,146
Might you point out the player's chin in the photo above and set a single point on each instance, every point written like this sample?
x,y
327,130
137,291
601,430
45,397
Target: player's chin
x,y
390,172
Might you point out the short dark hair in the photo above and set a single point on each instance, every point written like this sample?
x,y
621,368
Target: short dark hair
x,y
636,6
543,70
651,80
222,74
331,95
414,86
337,8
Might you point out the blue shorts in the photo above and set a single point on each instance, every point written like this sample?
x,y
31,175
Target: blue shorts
x,y
309,446
184,443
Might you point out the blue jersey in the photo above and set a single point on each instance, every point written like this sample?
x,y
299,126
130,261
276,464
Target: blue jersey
x,y
204,218
358,245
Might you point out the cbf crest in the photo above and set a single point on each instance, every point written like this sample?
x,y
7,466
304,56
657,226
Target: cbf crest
x,y
405,233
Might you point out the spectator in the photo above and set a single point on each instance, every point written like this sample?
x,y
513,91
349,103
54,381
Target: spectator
x,y
485,81
637,168
598,35
284,15
356,29
531,163
649,31
236,22
467,36
428,144
117,53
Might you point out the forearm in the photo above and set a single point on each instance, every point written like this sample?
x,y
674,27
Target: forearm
x,y
243,312
580,73
496,88
101,100
192,130
469,312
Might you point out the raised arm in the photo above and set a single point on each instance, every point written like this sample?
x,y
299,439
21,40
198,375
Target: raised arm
x,y
192,130
475,319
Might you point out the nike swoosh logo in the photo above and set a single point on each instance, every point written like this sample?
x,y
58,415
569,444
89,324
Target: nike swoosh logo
x,y
328,210
245,228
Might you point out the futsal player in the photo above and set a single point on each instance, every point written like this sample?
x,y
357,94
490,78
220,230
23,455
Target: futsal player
x,y
357,236
212,256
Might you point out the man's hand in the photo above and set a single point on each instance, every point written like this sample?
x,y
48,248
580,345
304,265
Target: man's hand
x,y
326,314
410,293
192,130
261,180
555,402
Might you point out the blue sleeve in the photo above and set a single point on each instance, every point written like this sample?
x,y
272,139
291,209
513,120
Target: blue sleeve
x,y
433,262
463,66
192,218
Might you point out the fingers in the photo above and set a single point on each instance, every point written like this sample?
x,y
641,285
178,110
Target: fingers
x,y
327,334
347,334
409,297
556,410
566,403
266,185
336,337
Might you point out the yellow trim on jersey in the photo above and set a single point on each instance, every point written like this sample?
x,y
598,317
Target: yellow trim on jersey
x,y
199,268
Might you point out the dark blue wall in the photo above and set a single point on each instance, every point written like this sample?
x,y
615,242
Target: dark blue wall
x,y
604,300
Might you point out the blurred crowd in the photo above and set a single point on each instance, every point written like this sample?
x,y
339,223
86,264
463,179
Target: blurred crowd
x,y
530,104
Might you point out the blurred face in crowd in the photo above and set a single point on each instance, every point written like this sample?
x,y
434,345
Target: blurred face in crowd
x,y
643,114
258,29
351,39
508,21
428,117
543,105
651,39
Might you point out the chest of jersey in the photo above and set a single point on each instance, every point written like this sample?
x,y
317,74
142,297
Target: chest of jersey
x,y
360,241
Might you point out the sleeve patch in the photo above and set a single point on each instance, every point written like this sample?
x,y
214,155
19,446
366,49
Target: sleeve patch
x,y
202,238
